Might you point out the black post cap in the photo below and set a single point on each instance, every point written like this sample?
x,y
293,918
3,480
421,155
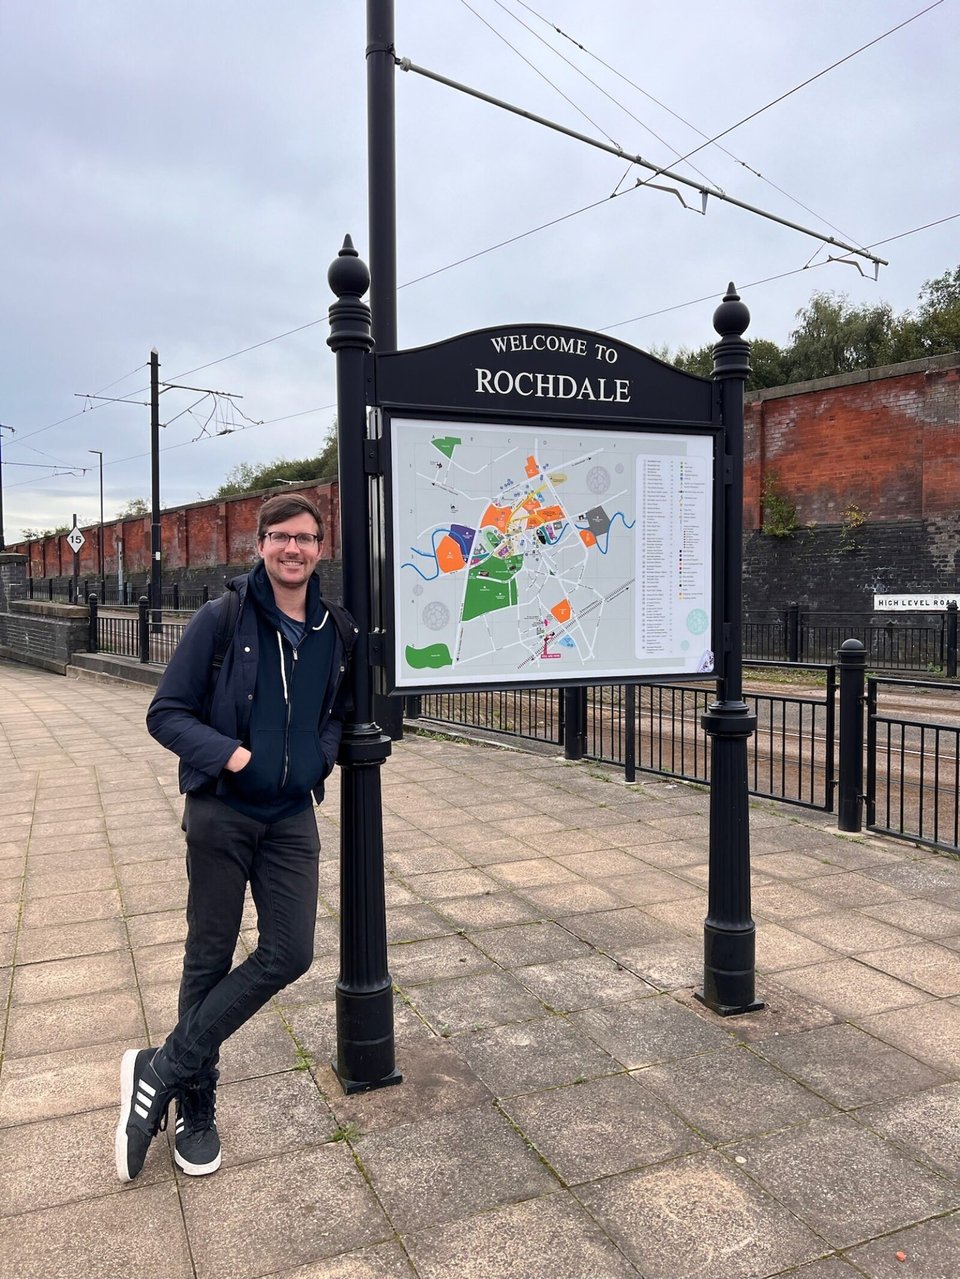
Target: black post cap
x,y
348,276
732,316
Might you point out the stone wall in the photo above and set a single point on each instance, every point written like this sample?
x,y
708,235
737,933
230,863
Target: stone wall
x,y
38,633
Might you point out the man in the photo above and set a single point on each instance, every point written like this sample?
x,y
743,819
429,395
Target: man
x,y
255,743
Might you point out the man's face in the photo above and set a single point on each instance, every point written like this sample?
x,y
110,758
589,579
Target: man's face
x,y
288,564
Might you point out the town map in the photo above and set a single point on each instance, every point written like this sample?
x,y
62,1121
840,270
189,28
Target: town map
x,y
530,555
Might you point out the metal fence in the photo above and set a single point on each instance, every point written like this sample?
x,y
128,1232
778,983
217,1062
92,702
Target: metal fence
x,y
913,763
923,642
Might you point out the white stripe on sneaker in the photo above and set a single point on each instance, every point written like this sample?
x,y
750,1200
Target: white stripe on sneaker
x,y
142,1083
140,1111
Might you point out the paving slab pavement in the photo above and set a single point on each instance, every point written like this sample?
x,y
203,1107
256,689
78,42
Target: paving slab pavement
x,y
568,1110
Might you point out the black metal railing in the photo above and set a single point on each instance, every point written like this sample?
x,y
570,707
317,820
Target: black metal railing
x,y
913,764
535,714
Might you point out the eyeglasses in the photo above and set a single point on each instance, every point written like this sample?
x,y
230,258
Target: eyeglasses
x,y
304,540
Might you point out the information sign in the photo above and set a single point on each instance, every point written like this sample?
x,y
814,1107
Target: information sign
x,y
75,539
528,554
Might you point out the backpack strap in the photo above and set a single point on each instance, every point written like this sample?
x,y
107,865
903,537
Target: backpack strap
x,y
226,626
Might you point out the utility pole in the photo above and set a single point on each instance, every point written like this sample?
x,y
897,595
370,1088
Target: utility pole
x,y
155,586
382,224
99,454
12,432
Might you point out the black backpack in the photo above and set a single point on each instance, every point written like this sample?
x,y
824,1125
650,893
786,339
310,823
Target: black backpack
x,y
222,639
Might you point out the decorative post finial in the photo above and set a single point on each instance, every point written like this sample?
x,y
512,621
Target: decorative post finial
x,y
731,317
348,276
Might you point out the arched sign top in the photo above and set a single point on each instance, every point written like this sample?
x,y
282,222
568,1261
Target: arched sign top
x,y
542,370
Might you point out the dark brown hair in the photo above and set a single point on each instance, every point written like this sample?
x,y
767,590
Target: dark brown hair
x,y
285,506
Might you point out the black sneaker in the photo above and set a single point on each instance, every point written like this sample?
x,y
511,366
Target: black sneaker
x,y
144,1098
197,1144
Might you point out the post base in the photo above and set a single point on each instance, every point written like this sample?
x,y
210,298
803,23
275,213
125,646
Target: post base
x,y
365,1041
729,970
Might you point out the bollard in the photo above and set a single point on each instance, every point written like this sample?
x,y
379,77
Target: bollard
x,y
852,658
143,628
952,640
630,736
792,620
574,722
94,638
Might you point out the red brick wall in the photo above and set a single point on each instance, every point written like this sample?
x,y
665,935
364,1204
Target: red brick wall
x,y
202,534
886,440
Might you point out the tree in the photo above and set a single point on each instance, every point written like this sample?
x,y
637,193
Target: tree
x,y
938,316
834,336
136,506
245,478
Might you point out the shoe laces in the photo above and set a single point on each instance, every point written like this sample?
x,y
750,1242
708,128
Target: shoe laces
x,y
198,1100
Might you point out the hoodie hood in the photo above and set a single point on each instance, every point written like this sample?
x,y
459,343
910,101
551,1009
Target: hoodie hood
x,y
261,590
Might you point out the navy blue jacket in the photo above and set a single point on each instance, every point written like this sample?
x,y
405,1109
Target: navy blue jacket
x,y
204,733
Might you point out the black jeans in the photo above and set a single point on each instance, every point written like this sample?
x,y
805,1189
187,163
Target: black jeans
x,y
225,851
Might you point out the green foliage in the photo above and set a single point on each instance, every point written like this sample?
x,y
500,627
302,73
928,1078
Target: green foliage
x,y
245,478
854,517
779,513
835,336
137,506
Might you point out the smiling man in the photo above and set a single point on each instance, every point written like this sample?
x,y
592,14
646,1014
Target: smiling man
x,y
251,702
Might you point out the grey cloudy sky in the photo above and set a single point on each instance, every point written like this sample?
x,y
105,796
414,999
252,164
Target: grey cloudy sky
x,y
180,175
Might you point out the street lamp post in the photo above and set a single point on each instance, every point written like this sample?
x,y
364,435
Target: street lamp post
x,y
12,432
99,454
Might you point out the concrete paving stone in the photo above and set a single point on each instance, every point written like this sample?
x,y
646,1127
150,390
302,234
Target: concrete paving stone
x,y
148,850
533,873
698,1218
850,988
575,841
11,849
617,931
781,902
731,1093
313,1025
600,863
932,1250
158,870
476,1002
79,1022
647,885
138,1233
932,968
424,861
849,931
61,1083
847,1067
12,867
47,845
844,1181
71,907
152,930
670,854
545,1238
57,865
270,1115
499,849
533,943
160,1009
306,1205
851,889
927,1124
410,923
558,900
452,1166
921,915
586,981
487,910
650,1030
151,899
533,1055
262,1046
683,916
70,940
779,947
600,1127
829,1268
792,865
667,964
419,961
436,1081
159,964
44,824
68,978
59,1161
87,880
920,877
383,1261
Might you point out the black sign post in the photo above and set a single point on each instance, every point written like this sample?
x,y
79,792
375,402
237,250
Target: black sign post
x,y
729,932
365,1040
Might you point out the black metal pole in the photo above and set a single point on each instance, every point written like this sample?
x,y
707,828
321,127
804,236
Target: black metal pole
x,y
365,1039
574,721
951,655
729,933
143,629
382,229
852,658
155,588
2,429
75,581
